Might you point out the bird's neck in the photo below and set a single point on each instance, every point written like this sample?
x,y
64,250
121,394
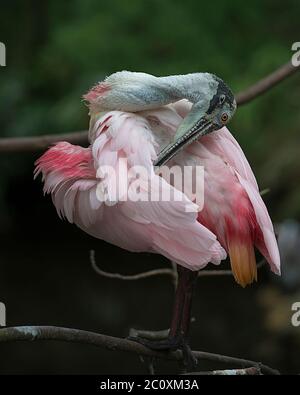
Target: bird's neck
x,y
192,87
128,91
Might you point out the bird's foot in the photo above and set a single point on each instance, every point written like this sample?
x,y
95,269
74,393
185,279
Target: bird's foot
x,y
170,344
190,361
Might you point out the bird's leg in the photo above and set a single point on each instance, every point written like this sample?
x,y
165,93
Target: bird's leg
x,y
181,317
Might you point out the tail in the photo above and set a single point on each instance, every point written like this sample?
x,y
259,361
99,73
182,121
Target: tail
x,y
64,162
241,229
68,174
243,262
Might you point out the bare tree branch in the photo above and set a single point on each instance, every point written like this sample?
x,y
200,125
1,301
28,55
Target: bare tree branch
x,y
158,272
266,83
253,371
128,277
31,144
39,143
207,273
149,335
35,333
152,335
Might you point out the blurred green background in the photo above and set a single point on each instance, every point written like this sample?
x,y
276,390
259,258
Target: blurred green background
x,y
55,52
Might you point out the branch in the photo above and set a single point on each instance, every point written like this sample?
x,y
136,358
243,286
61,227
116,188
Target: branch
x,y
128,277
266,83
158,272
34,333
149,335
39,143
206,273
253,371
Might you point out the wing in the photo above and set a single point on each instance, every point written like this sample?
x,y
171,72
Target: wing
x,y
266,243
110,191
69,175
223,145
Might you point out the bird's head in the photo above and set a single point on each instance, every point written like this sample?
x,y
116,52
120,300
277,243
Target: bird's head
x,y
221,104
214,106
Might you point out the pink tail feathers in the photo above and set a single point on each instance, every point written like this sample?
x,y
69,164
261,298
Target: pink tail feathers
x,y
64,162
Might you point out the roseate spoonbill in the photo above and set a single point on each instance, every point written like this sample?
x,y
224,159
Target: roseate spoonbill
x,y
154,120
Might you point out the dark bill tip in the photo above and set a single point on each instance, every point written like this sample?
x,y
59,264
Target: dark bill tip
x,y
202,128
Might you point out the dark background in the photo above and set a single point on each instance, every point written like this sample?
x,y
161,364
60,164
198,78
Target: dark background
x,y
55,52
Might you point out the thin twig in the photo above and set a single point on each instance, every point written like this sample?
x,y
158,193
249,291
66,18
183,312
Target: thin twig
x,y
206,273
158,272
128,277
264,191
31,144
34,333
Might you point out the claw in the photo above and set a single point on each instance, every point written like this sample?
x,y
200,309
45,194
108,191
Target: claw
x,y
158,345
178,334
170,344
190,362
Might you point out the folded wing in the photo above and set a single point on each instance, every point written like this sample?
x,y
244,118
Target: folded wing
x,y
90,187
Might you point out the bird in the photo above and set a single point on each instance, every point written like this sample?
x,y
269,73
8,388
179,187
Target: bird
x,y
140,120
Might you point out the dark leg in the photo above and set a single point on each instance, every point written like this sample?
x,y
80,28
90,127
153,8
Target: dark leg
x,y
181,318
180,323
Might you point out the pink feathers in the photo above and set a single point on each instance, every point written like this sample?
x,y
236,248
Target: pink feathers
x,y
69,160
226,146
97,91
233,204
74,177
234,209
234,217
66,168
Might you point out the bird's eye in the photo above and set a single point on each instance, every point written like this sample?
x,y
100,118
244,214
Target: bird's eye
x,y
221,99
224,117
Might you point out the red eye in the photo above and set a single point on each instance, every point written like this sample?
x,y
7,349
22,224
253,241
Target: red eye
x,y
224,117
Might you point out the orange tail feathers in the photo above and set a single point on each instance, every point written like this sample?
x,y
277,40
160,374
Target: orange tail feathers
x,y
243,262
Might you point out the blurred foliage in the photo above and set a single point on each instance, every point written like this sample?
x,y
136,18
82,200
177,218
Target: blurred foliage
x,y
57,50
